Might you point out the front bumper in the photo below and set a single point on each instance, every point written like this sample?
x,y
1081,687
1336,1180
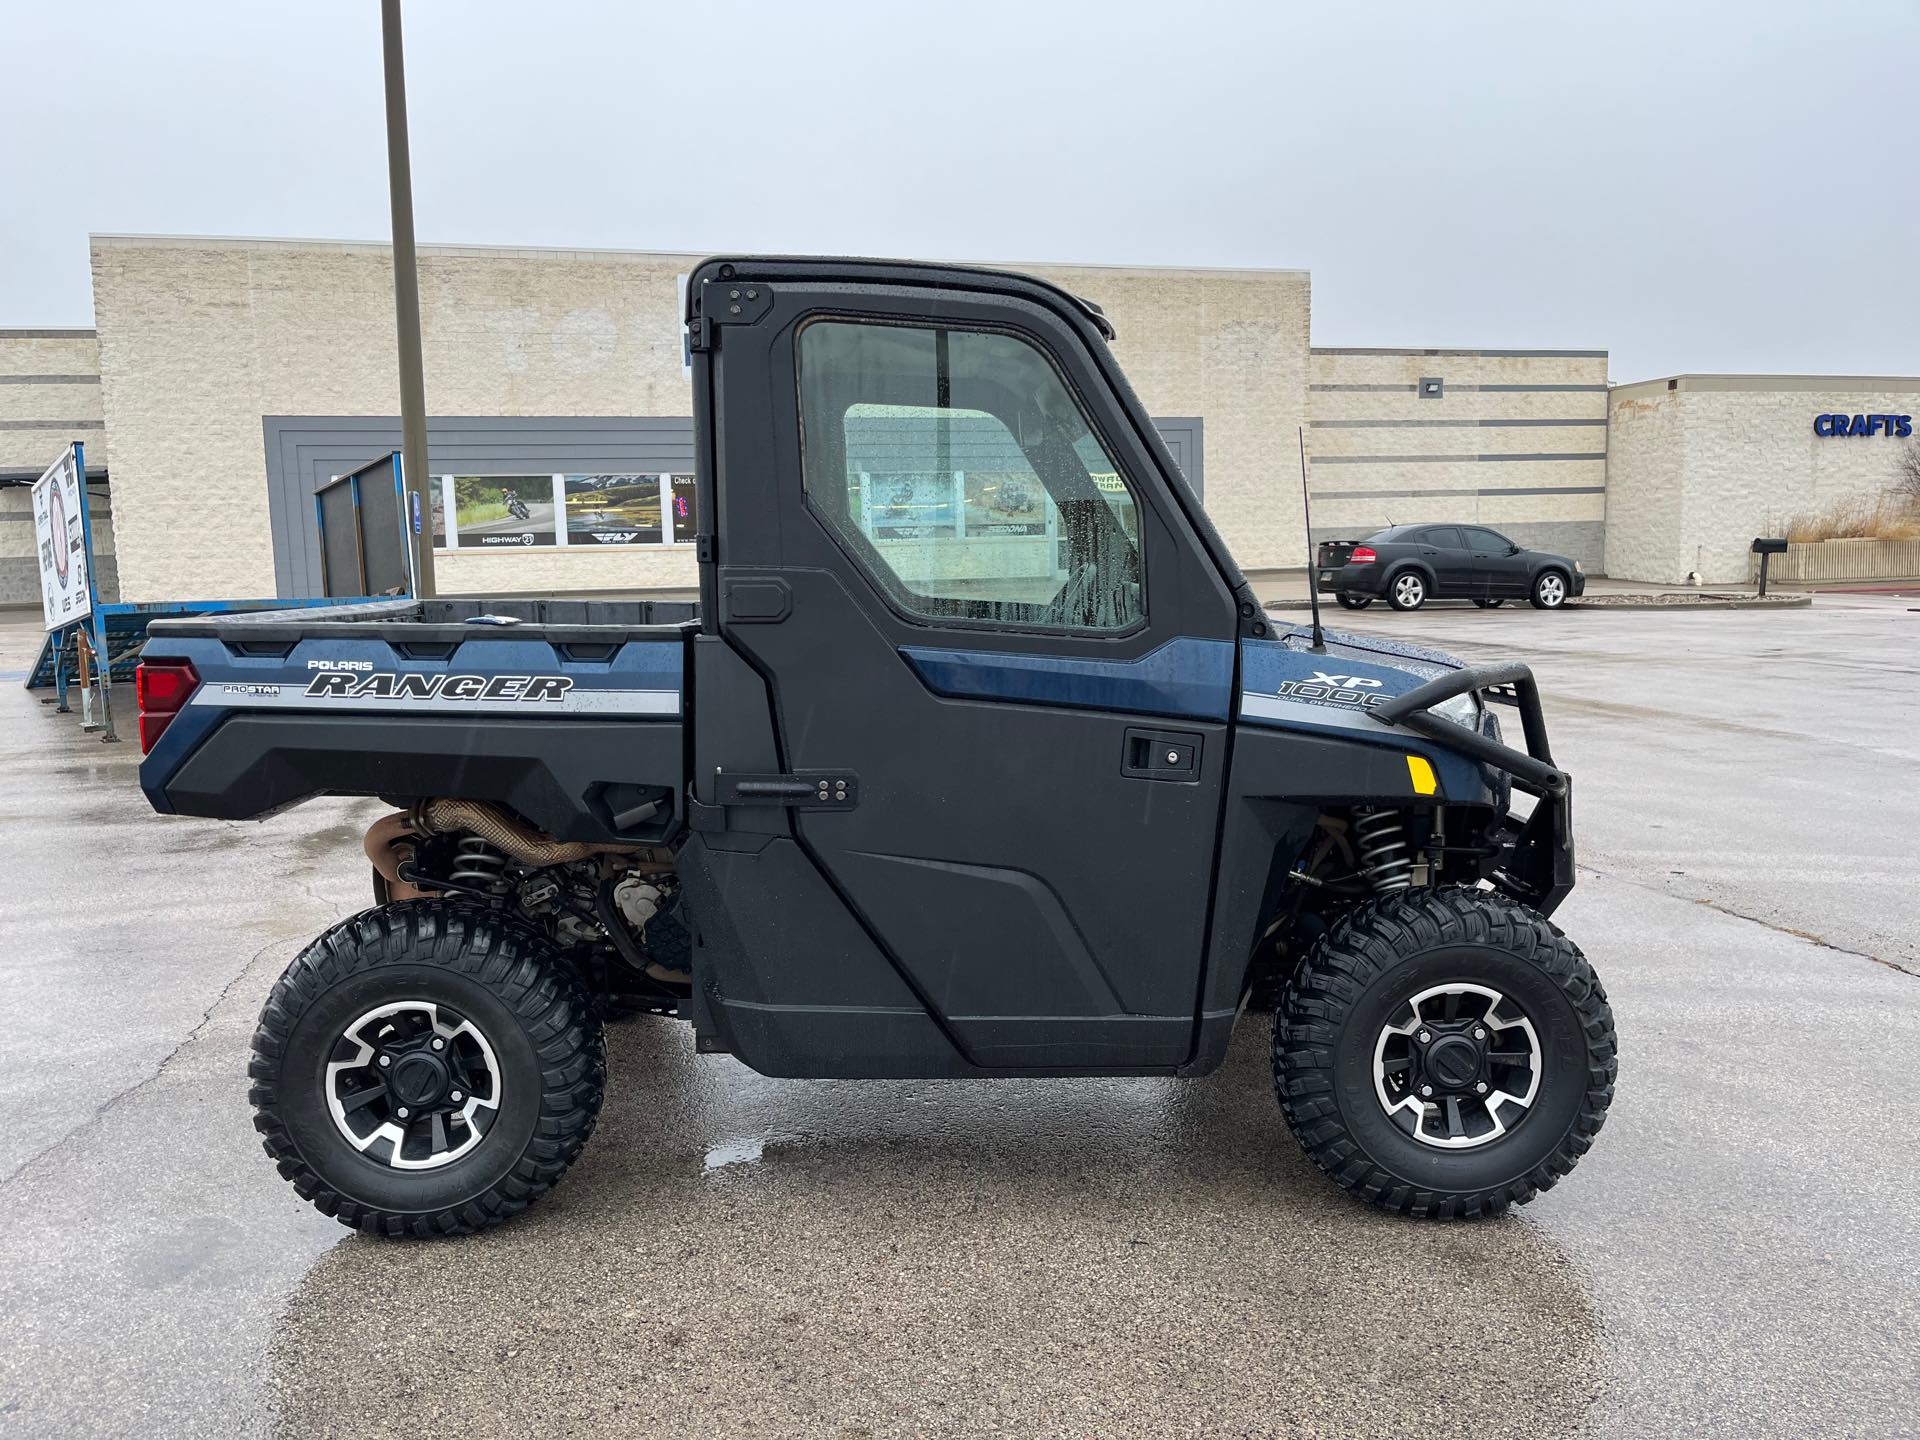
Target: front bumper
x,y
1536,860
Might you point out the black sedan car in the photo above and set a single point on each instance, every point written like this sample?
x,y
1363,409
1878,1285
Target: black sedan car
x,y
1408,565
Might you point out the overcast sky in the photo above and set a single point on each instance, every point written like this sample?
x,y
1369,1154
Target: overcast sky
x,y
1691,186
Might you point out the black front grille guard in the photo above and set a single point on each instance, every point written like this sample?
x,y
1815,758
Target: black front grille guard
x,y
1537,865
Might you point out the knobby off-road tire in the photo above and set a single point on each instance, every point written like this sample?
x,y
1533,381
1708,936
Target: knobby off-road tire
x,y
1356,983
523,1009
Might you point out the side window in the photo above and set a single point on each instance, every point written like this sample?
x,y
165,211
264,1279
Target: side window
x,y
1445,536
961,472
1485,542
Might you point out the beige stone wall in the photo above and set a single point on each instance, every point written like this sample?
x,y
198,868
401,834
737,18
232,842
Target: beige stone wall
x,y
199,339
1719,459
1490,449
49,396
1647,463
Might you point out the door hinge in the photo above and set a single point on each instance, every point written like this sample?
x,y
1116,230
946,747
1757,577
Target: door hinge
x,y
727,302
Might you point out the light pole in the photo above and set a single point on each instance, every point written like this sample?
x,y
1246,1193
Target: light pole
x,y
406,306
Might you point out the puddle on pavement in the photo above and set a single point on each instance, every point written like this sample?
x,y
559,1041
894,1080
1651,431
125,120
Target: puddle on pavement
x,y
735,1152
740,1255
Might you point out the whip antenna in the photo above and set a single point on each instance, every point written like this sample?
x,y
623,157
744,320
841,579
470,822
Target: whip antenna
x,y
1306,513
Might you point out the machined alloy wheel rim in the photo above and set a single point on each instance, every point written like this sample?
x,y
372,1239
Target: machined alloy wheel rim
x,y
1408,590
413,1085
1457,1066
1552,589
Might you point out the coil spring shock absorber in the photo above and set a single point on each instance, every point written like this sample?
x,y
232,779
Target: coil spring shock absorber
x,y
1382,842
480,865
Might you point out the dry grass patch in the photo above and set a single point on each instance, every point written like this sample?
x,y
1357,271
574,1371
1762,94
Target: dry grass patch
x,y
1863,517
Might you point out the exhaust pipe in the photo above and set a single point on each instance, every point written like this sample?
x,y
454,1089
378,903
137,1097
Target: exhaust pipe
x,y
389,845
391,841
492,824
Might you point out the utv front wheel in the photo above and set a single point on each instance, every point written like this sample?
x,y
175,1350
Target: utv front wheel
x,y
1445,1053
426,1068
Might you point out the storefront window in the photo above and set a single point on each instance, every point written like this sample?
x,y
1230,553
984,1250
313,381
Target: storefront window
x,y
569,511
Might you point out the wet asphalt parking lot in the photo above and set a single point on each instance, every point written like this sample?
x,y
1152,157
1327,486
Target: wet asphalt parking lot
x,y
1739,1255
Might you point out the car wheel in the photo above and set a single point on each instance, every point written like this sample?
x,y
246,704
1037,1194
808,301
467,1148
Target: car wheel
x,y
1445,1053
1489,604
426,1068
1353,602
1549,590
1407,590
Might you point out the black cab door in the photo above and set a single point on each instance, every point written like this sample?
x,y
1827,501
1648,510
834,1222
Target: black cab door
x,y
997,640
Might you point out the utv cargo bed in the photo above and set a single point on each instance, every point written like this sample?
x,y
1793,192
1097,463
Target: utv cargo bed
x,y
568,711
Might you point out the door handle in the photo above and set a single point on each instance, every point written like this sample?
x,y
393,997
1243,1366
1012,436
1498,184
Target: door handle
x,y
1160,754
799,789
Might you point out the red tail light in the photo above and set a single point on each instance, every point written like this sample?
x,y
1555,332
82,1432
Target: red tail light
x,y
1362,555
162,686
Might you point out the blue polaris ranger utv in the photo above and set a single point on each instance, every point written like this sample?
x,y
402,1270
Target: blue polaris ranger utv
x,y
976,758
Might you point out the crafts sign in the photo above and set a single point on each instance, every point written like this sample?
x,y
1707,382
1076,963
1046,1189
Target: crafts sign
x,y
60,532
1833,427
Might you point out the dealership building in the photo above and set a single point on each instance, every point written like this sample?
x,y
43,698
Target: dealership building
x,y
225,381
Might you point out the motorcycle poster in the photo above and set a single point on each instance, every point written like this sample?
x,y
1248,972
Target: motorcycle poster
x,y
911,507
1005,504
491,511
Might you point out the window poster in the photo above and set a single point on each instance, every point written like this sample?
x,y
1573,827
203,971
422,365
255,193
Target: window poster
x,y
680,493
616,509
490,511
1005,504
911,506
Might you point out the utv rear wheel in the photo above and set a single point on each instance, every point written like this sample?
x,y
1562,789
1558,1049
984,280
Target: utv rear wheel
x,y
1445,1053
1407,590
1353,602
426,1068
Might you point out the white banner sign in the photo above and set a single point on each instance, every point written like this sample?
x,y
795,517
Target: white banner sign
x,y
59,528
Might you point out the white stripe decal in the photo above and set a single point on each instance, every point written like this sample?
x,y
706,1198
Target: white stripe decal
x,y
1275,707
246,695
